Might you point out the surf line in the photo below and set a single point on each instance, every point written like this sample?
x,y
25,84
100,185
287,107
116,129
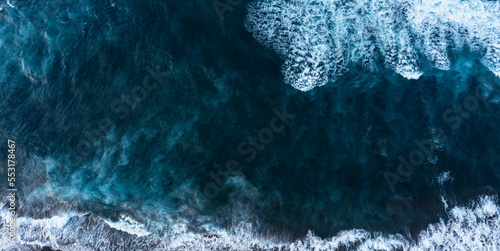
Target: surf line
x,y
249,149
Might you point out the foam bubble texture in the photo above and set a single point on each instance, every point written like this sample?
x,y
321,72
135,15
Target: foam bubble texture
x,y
474,227
318,39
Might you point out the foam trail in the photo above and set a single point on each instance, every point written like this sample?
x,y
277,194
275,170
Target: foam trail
x,y
129,225
318,39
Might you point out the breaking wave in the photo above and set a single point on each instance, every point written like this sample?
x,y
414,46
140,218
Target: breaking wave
x,y
320,39
475,227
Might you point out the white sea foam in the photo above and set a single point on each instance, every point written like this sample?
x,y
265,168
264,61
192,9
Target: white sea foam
x,y
319,38
31,231
473,227
476,227
129,225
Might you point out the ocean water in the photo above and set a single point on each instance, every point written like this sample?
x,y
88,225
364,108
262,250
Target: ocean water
x,y
251,125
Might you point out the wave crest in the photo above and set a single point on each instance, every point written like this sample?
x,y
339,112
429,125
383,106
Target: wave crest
x,y
319,38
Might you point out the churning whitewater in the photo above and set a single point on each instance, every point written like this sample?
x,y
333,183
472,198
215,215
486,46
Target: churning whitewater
x,y
473,227
320,39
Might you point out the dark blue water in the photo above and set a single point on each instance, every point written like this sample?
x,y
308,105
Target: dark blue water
x,y
187,131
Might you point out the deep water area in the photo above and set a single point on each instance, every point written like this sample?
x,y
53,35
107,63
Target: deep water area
x,y
183,125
